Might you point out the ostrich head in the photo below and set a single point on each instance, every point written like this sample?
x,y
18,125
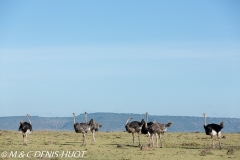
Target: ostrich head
x,y
222,124
143,122
91,122
21,125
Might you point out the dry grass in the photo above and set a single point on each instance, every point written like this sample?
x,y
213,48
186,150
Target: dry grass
x,y
117,145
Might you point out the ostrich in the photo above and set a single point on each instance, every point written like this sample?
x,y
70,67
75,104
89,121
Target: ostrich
x,y
95,126
158,129
145,126
212,130
25,128
82,128
134,127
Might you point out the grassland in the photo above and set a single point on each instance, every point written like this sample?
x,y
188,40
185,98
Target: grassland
x,y
176,146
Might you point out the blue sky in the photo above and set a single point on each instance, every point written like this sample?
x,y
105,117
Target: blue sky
x,y
178,58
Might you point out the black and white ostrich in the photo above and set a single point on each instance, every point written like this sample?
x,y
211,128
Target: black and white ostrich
x,y
158,129
134,127
82,128
94,127
145,126
25,128
212,130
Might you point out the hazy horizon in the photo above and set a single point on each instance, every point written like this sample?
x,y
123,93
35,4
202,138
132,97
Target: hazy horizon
x,y
82,114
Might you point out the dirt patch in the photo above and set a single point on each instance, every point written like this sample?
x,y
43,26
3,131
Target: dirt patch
x,y
144,147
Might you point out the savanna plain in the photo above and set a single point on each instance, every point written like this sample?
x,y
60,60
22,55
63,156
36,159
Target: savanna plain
x,y
116,145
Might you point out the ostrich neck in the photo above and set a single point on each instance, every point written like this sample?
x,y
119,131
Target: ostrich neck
x,y
74,119
128,120
205,123
29,120
85,118
146,120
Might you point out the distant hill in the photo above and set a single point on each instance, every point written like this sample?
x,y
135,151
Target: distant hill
x,y
116,122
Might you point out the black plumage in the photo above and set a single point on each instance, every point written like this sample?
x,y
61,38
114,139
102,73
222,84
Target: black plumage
x,y
24,127
135,125
210,128
145,129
